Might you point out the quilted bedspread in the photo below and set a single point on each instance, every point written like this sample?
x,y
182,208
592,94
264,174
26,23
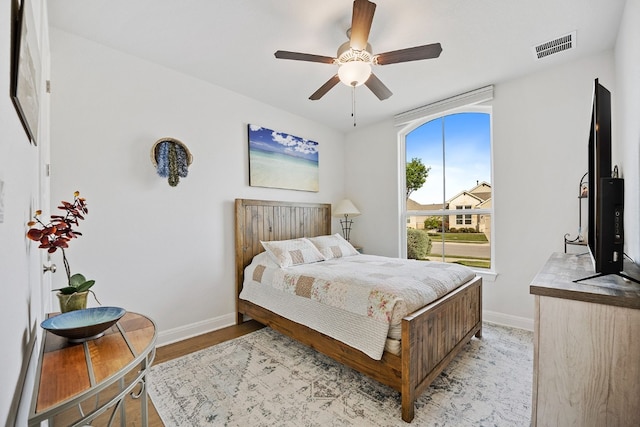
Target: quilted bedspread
x,y
353,299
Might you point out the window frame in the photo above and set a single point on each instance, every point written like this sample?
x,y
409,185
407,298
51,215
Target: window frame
x,y
408,127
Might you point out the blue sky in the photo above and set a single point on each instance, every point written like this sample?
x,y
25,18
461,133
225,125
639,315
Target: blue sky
x,y
467,154
283,143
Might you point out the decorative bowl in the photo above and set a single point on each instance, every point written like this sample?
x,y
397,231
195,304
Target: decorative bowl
x,y
83,325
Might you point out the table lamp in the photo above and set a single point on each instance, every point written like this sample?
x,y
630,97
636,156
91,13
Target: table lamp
x,y
346,208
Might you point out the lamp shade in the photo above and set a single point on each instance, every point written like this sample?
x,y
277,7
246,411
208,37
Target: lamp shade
x,y
346,207
354,73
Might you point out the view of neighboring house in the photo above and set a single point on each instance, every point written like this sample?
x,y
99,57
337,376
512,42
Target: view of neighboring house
x,y
477,197
417,221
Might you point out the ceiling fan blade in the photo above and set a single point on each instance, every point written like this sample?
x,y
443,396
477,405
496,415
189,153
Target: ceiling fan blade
x,y
325,88
410,54
378,88
283,54
361,21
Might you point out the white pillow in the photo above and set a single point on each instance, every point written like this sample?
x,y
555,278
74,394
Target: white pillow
x,y
333,246
265,259
287,253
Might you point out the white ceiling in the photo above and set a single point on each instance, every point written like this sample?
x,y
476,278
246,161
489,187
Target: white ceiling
x,y
230,43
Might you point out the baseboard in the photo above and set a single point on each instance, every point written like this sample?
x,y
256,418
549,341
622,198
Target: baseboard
x,y
199,328
194,329
507,320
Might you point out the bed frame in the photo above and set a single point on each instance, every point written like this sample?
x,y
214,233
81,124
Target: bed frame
x,y
431,337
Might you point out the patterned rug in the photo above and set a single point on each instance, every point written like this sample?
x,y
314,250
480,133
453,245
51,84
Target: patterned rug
x,y
267,379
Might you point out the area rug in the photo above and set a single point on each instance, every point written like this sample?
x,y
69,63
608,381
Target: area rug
x,y
267,379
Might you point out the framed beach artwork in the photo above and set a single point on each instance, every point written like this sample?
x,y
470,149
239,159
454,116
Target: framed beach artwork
x,y
25,73
280,160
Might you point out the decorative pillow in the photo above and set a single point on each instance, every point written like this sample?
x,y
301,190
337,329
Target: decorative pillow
x,y
292,252
333,246
265,259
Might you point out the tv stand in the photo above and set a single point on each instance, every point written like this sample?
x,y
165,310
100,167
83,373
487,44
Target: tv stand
x,y
585,352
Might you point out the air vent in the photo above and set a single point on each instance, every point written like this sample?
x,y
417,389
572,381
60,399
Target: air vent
x,y
557,45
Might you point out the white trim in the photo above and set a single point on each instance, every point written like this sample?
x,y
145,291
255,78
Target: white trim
x,y
199,328
194,329
402,195
487,275
463,100
507,320
447,212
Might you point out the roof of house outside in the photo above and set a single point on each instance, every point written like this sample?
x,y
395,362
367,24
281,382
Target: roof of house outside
x,y
479,191
412,205
483,196
482,190
485,204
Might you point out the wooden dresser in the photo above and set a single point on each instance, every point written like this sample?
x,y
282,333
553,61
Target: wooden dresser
x,y
586,346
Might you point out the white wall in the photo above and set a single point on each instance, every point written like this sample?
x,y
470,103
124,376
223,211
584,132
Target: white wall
x,y
540,129
627,103
21,301
167,252
372,185
541,133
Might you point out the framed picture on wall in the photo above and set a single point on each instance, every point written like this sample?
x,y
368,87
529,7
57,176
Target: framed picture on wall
x,y
280,160
25,70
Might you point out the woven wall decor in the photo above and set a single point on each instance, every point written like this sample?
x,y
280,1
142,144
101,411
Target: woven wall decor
x,y
171,159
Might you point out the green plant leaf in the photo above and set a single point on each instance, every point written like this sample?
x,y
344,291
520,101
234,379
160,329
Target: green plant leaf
x,y
77,283
85,286
77,280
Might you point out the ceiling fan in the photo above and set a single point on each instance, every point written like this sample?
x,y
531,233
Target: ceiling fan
x,y
355,57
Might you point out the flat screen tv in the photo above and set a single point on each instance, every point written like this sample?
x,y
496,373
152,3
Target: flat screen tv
x,y
605,237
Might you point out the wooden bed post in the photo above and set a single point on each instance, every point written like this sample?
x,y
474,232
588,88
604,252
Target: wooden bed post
x,y
409,364
239,255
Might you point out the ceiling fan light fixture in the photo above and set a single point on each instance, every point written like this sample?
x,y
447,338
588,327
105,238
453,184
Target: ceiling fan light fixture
x,y
354,73
355,56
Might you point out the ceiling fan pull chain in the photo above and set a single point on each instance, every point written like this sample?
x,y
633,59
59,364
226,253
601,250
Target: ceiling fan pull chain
x,y
353,104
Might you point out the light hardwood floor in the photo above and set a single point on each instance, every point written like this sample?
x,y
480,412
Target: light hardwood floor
x,y
181,348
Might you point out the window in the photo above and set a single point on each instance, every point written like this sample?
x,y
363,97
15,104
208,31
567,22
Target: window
x,y
453,204
463,219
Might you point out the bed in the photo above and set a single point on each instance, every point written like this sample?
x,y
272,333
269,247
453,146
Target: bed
x,y
430,336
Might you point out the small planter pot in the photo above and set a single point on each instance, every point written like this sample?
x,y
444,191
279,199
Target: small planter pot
x,y
77,301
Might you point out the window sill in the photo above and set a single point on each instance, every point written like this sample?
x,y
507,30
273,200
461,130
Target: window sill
x,y
487,275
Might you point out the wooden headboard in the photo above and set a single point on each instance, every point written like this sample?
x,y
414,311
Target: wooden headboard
x,y
258,220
